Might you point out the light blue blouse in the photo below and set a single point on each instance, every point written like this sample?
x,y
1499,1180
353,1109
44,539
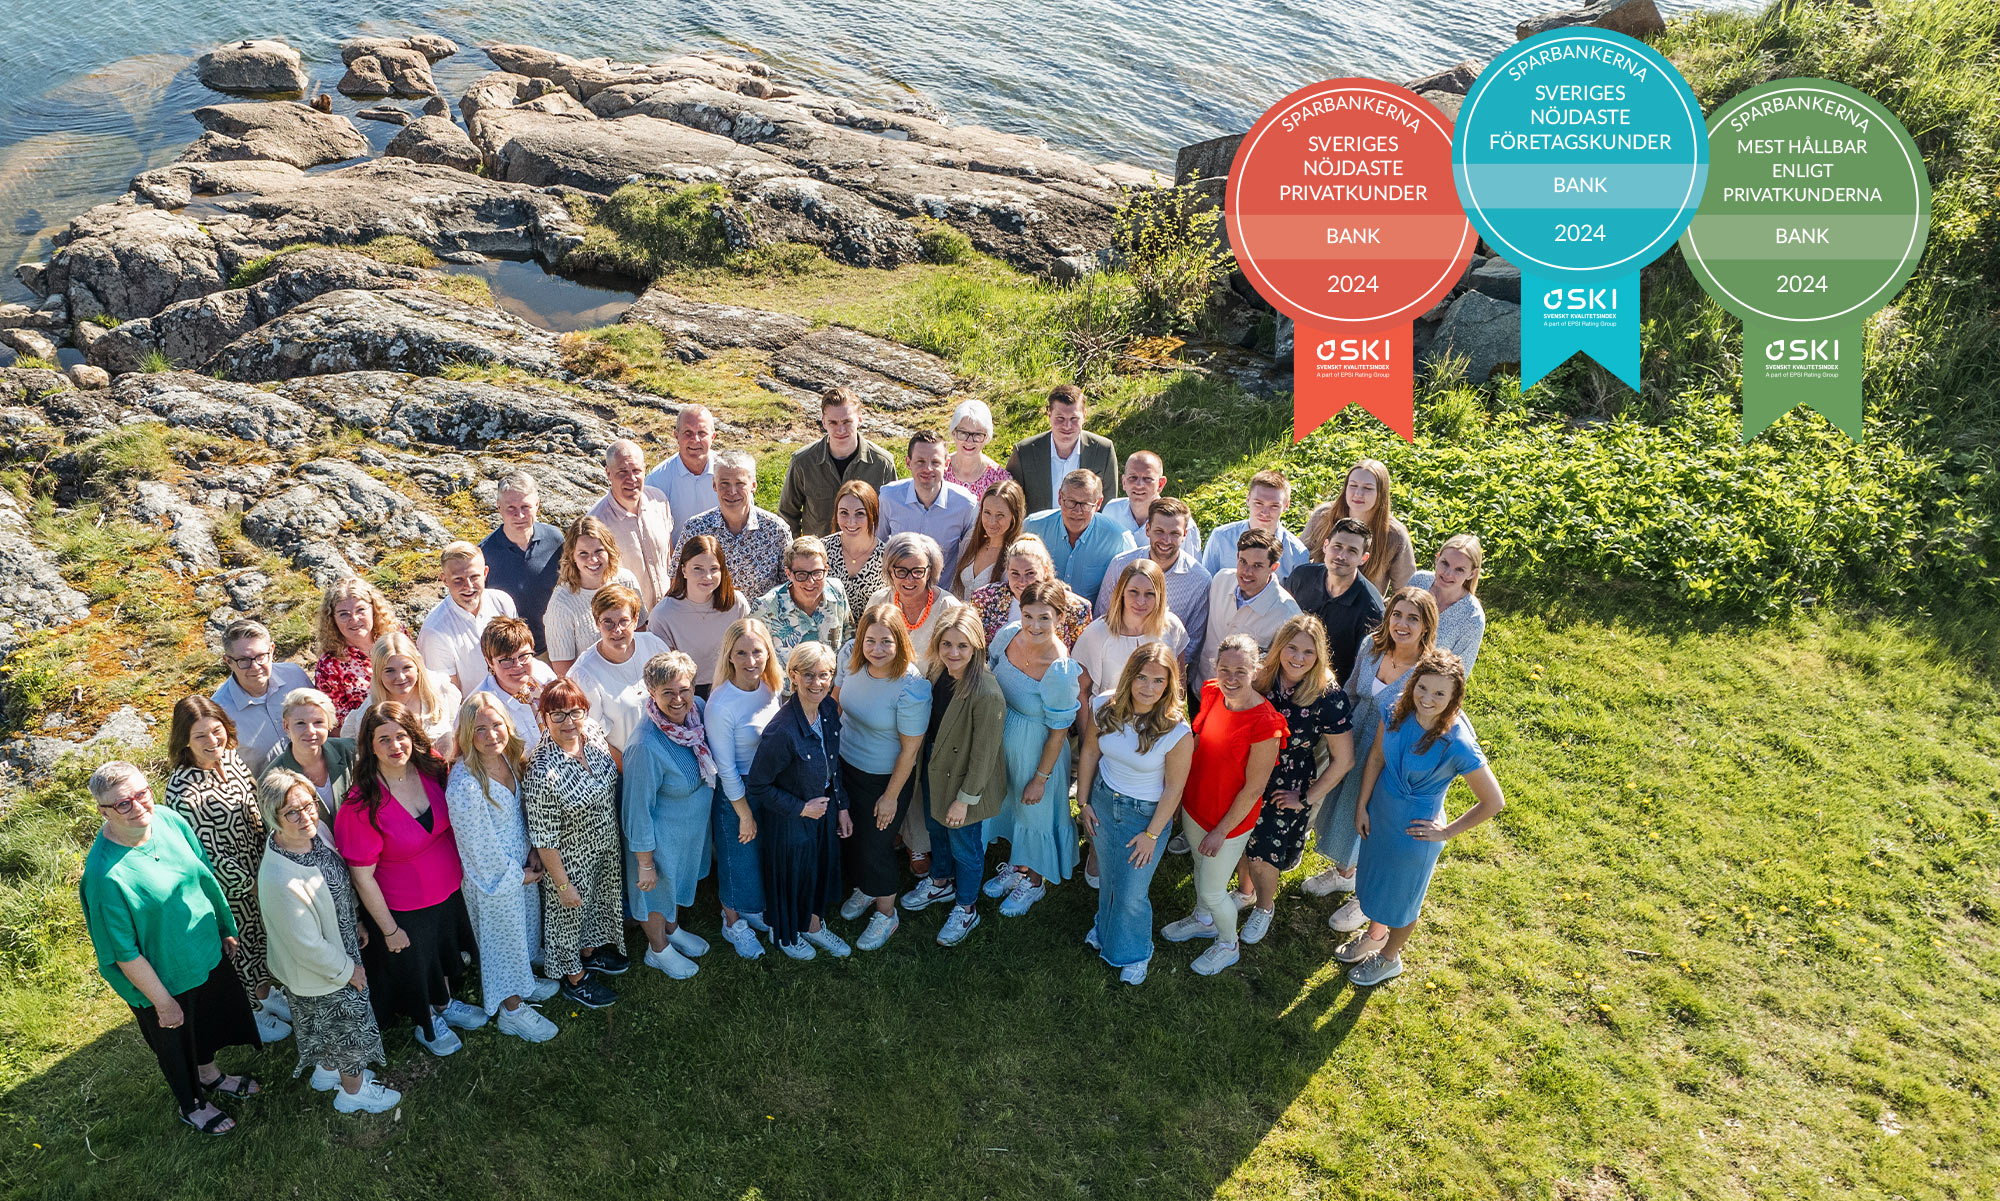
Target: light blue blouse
x,y
875,713
736,720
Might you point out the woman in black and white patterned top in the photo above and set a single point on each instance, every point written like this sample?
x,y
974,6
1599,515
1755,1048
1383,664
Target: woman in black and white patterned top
x,y
570,792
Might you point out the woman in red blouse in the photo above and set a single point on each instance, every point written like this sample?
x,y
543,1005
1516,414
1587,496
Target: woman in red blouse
x,y
395,834
352,615
1237,736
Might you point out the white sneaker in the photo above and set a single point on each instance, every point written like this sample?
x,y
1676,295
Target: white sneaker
x,y
372,1097
739,935
672,962
957,926
756,922
1002,882
687,942
270,1028
1090,939
1218,956
1358,948
1243,900
526,1024
465,1017
1328,882
1090,877
1374,970
1194,925
850,909
1178,844
1255,926
444,1044
1348,918
880,927
826,940
277,1005
1134,973
1023,898
798,948
544,989
326,1079
929,892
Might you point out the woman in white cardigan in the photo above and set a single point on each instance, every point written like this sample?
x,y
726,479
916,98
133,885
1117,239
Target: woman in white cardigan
x,y
314,947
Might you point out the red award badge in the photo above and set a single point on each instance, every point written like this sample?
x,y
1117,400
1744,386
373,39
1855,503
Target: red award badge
x,y
1343,214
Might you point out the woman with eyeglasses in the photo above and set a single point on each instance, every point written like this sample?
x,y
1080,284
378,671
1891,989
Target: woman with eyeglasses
x,y
668,802
914,564
853,553
570,792
969,468
215,793
164,939
307,899
612,672
589,561
701,603
801,803
808,606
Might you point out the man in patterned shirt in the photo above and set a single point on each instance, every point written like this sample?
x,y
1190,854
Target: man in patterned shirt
x,y
753,540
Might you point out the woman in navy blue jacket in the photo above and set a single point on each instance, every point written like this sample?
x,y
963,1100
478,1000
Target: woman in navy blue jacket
x,y
795,784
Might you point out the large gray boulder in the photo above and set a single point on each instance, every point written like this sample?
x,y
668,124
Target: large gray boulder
x,y
30,342
431,46
885,374
187,400
320,520
388,71
279,130
400,408
585,78
33,595
190,532
125,261
1633,18
259,66
695,329
435,140
365,78
1484,331
398,330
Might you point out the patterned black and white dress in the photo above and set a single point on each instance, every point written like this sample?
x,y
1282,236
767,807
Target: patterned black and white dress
x,y
572,808
337,1030
221,805
1279,837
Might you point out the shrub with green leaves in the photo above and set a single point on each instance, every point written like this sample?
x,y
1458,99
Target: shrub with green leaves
x,y
1169,243
643,230
942,244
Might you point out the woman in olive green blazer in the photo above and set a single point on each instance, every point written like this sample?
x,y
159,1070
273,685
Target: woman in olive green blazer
x,y
964,776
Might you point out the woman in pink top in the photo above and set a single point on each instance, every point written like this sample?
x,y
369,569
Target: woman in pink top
x,y
394,831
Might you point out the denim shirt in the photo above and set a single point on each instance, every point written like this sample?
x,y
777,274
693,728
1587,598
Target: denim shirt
x,y
795,763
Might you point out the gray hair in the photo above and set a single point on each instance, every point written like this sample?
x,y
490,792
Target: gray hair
x,y
666,667
241,628
624,446
106,779
521,483
272,790
808,655
310,696
910,543
687,411
974,411
737,460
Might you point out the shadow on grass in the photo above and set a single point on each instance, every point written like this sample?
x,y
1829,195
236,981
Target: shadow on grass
x,y
1014,1065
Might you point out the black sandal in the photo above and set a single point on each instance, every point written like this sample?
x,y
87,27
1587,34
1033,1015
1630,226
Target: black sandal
x,y
209,1127
245,1086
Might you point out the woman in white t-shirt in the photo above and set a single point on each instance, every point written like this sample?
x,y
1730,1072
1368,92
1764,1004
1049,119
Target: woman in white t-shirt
x,y
612,672
1137,615
1136,751
589,562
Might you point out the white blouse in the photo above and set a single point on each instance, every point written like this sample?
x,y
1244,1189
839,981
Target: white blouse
x,y
1104,654
736,720
617,691
1143,777
566,624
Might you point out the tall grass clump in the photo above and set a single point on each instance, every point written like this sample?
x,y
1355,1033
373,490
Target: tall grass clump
x,y
643,230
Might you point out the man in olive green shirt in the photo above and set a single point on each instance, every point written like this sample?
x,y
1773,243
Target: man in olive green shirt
x,y
817,471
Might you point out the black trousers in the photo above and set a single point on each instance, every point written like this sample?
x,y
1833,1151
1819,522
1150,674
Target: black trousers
x,y
216,1014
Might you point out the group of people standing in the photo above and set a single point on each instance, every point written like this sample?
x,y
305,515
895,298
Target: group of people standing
x,y
840,710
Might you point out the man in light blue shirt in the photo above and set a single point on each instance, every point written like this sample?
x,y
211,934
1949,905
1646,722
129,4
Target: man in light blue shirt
x,y
1081,541
254,694
927,502
687,479
1269,494
1144,476
1187,580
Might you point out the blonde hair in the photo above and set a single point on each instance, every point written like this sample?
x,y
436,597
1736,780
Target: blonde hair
x,y
742,627
586,526
1318,679
1032,548
474,759
964,621
884,614
1467,545
349,588
430,705
1157,722
808,655
459,552
1114,613
310,696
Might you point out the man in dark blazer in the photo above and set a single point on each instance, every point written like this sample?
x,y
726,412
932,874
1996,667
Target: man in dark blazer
x,y
1040,463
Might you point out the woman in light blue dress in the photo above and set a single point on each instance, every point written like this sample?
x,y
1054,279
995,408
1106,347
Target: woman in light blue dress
x,y
670,779
1422,745
1041,683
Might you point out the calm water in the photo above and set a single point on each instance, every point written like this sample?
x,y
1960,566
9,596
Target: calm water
x,y
92,91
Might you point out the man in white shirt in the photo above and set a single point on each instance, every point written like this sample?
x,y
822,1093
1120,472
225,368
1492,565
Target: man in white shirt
x,y
1245,599
1267,498
449,637
515,676
638,517
1187,581
687,479
927,502
254,694
1144,476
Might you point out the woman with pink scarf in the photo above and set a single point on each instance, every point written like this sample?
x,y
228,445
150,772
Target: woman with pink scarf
x,y
670,780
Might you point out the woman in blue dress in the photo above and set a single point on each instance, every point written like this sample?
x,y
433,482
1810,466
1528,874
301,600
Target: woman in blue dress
x,y
801,805
1423,744
1041,683
669,793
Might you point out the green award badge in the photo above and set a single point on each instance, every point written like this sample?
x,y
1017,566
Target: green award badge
x,y
1815,214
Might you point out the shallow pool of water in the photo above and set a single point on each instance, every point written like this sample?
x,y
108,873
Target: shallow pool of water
x,y
561,303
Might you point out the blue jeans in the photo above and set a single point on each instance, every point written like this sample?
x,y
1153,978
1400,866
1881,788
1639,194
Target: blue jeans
x,y
739,877
1124,906
958,855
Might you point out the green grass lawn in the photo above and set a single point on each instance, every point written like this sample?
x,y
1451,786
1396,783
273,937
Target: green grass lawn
x,y
1733,936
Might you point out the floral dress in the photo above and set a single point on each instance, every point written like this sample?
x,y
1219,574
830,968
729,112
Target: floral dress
x,y
221,805
572,807
337,1030
344,676
995,605
1280,835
